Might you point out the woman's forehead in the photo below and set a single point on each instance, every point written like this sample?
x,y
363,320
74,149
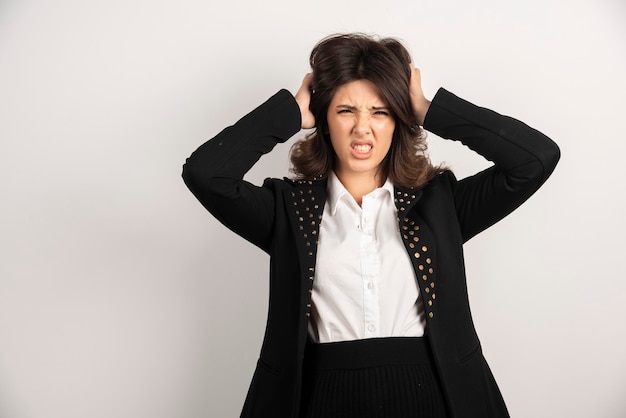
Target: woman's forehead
x,y
358,93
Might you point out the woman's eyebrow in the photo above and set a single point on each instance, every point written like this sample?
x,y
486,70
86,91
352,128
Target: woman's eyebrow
x,y
345,106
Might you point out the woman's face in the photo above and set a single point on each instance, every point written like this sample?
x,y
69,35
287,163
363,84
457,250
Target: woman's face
x,y
360,127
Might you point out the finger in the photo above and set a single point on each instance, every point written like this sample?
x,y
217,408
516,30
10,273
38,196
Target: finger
x,y
415,72
306,81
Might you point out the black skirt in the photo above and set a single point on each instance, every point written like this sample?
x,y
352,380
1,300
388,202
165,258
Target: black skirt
x,y
372,378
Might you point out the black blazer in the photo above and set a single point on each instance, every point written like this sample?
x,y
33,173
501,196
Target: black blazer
x,y
282,217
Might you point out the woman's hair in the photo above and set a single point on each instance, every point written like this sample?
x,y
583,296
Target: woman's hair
x,y
341,59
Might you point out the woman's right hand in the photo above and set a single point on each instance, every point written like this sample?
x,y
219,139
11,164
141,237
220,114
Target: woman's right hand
x,y
303,98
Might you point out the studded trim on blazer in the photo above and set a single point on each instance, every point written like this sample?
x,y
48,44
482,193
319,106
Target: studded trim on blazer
x,y
306,205
418,242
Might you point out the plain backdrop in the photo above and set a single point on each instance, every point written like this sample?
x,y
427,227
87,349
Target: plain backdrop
x,y
121,297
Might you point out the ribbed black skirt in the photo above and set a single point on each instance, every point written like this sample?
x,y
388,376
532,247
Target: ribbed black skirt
x,y
371,378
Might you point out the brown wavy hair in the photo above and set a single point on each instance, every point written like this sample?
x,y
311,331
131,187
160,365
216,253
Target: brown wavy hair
x,y
341,59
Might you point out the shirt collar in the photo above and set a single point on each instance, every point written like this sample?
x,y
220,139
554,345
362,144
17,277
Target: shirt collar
x,y
337,191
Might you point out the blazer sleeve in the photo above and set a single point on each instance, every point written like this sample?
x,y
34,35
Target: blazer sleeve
x,y
214,172
523,159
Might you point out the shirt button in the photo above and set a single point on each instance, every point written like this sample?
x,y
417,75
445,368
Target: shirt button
x,y
371,328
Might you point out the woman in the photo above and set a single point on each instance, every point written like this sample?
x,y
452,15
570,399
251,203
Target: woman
x,y
368,313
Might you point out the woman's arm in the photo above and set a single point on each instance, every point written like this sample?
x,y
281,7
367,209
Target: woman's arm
x,y
214,172
523,157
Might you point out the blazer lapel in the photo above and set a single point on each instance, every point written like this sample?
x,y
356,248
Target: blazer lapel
x,y
419,243
305,205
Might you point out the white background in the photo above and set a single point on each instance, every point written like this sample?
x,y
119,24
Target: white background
x,y
120,296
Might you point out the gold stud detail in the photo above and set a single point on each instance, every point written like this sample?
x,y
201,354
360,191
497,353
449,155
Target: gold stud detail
x,y
432,296
427,290
432,284
421,267
424,248
416,239
411,245
430,303
431,314
428,260
424,277
417,255
430,270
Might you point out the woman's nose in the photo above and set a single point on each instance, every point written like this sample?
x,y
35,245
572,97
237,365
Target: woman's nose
x,y
362,125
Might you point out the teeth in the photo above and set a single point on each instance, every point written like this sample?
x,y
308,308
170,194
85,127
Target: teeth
x,y
362,148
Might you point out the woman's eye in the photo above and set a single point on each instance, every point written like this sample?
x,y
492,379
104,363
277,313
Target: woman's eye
x,y
345,111
381,112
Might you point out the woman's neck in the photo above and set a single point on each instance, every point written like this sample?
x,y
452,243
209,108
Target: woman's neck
x,y
360,184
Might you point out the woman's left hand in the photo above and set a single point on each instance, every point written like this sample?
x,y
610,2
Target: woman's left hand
x,y
419,102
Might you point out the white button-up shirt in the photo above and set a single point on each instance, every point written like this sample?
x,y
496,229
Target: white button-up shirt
x,y
365,286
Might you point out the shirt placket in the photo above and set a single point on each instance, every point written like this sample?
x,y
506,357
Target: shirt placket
x,y
370,262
